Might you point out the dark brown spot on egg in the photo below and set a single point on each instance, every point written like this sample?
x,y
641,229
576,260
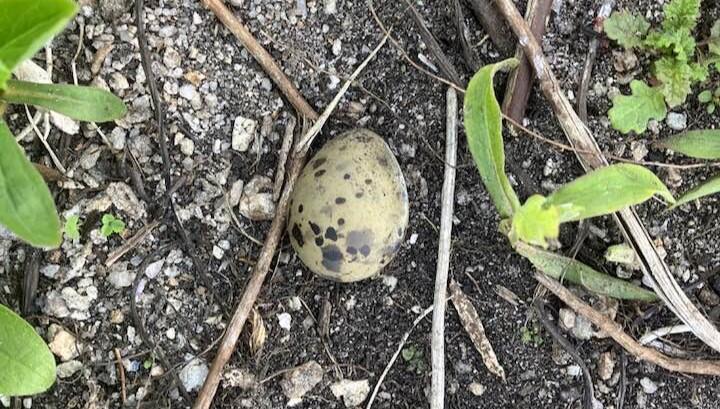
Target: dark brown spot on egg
x,y
319,173
315,228
331,234
346,176
300,209
341,221
359,194
297,235
319,162
332,258
368,181
365,250
351,250
319,241
340,200
383,161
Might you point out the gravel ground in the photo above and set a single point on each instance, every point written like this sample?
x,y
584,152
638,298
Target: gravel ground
x,y
225,121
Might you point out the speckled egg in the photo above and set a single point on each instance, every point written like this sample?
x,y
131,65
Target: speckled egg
x,y
349,209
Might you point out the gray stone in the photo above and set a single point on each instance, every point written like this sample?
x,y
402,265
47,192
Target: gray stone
x,y
676,121
193,375
63,344
68,369
648,385
353,393
243,133
257,201
300,380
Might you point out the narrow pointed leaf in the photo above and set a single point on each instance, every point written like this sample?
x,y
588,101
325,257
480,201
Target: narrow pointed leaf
x,y
27,25
81,103
483,126
607,190
28,366
708,188
564,268
26,206
701,144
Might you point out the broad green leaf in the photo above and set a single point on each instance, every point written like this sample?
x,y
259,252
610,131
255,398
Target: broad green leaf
x,y
28,366
701,144
483,126
626,28
564,268
679,43
633,112
82,103
26,25
681,14
607,190
535,222
26,206
710,187
676,78
705,97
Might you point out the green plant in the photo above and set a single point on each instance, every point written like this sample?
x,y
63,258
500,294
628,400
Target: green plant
x,y
26,206
701,144
531,335
530,227
711,99
72,227
675,69
415,359
28,366
110,225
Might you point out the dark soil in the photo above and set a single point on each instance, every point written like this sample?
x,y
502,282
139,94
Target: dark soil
x,y
367,318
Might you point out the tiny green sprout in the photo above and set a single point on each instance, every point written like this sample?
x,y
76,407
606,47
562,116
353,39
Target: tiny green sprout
x,y
72,227
414,358
531,336
110,225
711,99
148,363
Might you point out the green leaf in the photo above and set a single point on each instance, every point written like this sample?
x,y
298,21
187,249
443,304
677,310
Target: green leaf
x,y
676,79
711,108
28,366
607,190
408,353
680,43
626,28
483,126
705,97
82,103
72,227
26,206
26,27
110,225
535,222
701,144
623,254
564,268
633,112
708,188
681,14
714,40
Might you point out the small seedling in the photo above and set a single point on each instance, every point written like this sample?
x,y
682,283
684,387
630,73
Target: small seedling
x,y
531,336
531,227
711,99
72,227
676,67
110,225
415,359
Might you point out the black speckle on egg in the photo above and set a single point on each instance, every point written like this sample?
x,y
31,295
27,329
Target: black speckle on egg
x,y
331,234
315,228
319,162
365,250
332,258
400,232
319,173
297,235
346,176
340,200
319,241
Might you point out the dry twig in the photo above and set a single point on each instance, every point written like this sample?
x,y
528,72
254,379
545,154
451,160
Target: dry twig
x,y
580,138
260,270
283,157
131,243
611,328
474,327
492,22
437,396
121,371
262,57
603,13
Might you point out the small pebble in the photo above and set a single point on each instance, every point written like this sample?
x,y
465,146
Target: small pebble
x,y
676,121
648,385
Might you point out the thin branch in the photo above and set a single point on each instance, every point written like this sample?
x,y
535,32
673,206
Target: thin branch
x,y
699,367
437,395
603,13
261,55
